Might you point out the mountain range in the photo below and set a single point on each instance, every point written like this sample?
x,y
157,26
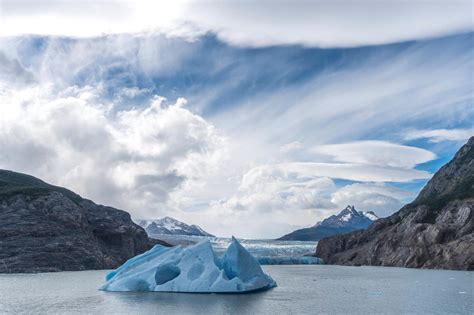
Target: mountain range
x,y
435,231
171,226
348,220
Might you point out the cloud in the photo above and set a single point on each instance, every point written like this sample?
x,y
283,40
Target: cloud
x,y
270,188
380,153
133,159
330,23
440,135
348,171
264,23
13,72
381,199
416,88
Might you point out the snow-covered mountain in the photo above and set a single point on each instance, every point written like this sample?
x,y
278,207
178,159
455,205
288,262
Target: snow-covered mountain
x,y
348,220
168,225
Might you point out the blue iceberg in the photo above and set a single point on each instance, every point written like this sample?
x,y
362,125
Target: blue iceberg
x,y
190,269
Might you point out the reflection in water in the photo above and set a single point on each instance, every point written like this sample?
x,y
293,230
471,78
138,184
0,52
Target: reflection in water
x,y
187,302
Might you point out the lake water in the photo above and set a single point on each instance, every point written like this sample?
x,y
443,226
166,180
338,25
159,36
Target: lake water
x,y
302,289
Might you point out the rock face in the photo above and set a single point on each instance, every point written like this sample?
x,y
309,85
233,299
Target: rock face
x,y
171,226
47,228
434,231
346,221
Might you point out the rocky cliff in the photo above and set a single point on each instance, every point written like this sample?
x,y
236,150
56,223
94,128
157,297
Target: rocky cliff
x,y
48,228
434,231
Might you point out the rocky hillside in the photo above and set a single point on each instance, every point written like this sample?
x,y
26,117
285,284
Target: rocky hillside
x,y
348,220
48,228
434,231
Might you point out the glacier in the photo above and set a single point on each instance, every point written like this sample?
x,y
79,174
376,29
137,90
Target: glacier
x,y
195,269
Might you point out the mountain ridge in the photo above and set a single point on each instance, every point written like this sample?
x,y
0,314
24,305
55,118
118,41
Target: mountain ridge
x,y
347,220
171,226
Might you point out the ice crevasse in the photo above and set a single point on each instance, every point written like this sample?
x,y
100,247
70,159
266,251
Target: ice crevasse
x,y
190,269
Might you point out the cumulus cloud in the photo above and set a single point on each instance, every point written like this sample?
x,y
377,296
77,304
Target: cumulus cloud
x,y
381,199
440,135
134,159
269,188
263,23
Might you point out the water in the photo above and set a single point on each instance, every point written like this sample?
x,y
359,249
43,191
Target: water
x,y
268,252
301,289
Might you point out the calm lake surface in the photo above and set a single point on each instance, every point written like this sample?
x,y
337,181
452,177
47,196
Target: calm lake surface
x,y
302,289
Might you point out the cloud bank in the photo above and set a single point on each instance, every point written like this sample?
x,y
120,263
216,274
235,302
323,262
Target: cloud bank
x,y
134,159
264,23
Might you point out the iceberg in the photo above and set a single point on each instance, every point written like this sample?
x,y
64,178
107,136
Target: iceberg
x,y
195,269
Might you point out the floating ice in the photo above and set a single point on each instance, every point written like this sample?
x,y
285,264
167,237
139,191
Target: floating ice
x,y
191,269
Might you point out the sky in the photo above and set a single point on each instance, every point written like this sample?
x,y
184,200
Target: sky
x,y
247,118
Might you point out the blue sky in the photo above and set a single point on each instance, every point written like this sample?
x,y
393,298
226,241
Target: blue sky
x,y
251,128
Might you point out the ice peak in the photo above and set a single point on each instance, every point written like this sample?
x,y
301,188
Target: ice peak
x,y
194,268
352,209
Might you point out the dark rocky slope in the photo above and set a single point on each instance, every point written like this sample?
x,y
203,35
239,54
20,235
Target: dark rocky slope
x,y
434,231
48,228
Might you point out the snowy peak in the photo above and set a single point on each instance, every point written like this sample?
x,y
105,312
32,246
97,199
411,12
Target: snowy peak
x,y
349,219
348,213
171,226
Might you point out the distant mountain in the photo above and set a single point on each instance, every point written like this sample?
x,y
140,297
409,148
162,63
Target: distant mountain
x,y
435,231
171,226
46,228
347,220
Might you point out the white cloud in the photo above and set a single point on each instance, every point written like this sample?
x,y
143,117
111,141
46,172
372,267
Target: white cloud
x,y
316,23
268,188
381,199
348,171
380,153
134,161
440,135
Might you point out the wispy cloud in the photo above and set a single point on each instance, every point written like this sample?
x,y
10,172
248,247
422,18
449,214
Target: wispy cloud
x,y
440,135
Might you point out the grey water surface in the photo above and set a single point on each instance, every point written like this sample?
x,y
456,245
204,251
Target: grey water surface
x,y
302,289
